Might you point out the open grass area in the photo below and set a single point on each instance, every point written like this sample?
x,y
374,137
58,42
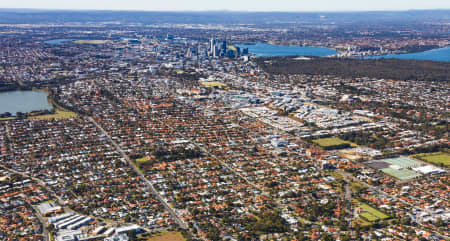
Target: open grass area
x,y
142,160
7,118
369,217
333,143
435,158
213,84
59,71
90,41
402,162
401,174
59,114
232,47
337,175
441,126
167,236
363,223
355,187
371,214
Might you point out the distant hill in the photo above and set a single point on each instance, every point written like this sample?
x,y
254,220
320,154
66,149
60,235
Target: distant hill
x,y
397,69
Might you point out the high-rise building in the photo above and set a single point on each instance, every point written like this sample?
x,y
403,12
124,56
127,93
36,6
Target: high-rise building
x,y
224,46
211,45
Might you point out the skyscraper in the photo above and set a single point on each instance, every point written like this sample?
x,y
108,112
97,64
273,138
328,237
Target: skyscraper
x,y
211,46
224,46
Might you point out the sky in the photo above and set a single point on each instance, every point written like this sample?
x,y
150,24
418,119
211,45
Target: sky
x,y
234,5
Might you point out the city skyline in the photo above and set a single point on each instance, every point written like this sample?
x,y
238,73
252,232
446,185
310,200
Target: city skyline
x,y
232,5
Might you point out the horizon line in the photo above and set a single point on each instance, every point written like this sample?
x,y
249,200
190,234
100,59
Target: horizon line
x,y
225,10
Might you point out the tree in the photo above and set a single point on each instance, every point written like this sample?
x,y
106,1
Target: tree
x,y
327,237
439,222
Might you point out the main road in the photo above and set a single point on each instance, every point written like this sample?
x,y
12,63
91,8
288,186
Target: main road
x,y
172,212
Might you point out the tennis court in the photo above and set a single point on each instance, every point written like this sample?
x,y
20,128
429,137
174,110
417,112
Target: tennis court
x,y
403,162
401,174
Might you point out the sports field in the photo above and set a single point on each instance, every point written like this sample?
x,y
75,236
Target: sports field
x,y
369,217
142,159
371,214
332,143
436,158
213,84
59,114
403,162
402,174
169,236
59,71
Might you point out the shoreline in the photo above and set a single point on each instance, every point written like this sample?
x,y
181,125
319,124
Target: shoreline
x,y
341,51
35,113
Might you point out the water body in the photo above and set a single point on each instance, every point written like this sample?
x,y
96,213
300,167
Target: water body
x,y
441,54
58,41
23,101
267,50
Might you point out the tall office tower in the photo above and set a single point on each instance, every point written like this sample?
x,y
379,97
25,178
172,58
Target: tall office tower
x,y
224,46
188,53
211,46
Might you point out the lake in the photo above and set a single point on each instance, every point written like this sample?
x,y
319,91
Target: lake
x,y
23,101
441,54
267,50
57,41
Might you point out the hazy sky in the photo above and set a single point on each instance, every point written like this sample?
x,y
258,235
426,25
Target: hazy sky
x,y
243,5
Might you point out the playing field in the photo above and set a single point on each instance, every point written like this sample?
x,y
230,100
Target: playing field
x,y
142,159
402,174
403,162
363,223
169,236
371,214
59,114
213,84
436,158
332,142
369,217
59,71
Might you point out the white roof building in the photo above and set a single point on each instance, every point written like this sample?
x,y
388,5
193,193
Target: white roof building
x,y
428,169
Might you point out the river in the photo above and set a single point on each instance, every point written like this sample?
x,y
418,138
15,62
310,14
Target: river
x,y
441,54
267,50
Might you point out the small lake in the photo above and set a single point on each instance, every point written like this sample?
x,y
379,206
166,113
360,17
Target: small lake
x,y
23,101
267,50
441,54
57,41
